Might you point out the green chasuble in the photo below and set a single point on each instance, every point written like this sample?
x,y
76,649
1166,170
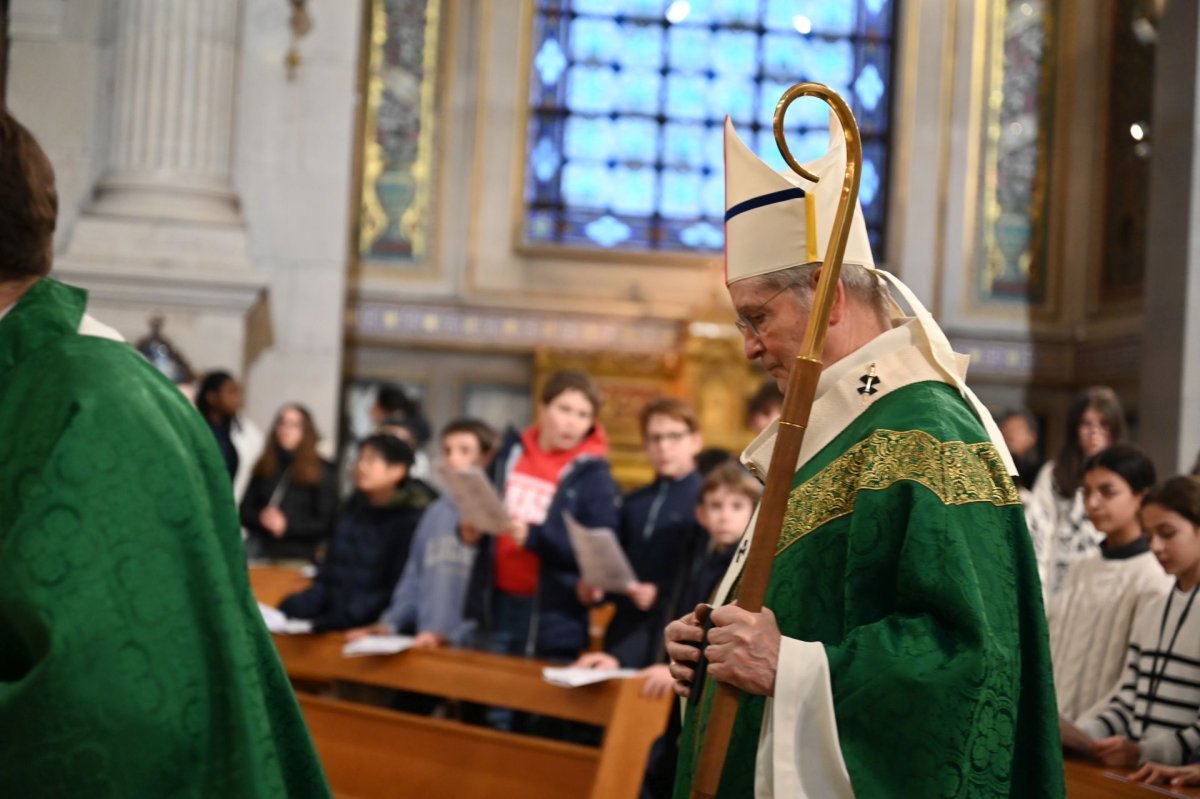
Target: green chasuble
x,y
133,661
905,554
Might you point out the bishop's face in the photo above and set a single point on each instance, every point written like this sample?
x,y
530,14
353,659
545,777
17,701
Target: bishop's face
x,y
772,323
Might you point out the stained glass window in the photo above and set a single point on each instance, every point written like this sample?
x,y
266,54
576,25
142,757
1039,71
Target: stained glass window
x,y
628,100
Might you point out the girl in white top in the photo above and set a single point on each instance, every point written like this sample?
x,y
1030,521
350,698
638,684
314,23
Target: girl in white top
x,y
1092,615
1058,522
1155,713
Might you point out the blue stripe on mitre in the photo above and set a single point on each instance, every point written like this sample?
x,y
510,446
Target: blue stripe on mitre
x,y
764,199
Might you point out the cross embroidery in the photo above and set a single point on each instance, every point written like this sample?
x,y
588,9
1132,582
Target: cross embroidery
x,y
869,381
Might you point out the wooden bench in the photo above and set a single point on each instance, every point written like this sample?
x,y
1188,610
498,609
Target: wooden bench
x,y
369,751
1094,781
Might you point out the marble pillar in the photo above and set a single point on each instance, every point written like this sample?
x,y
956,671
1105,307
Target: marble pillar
x,y
1170,370
163,233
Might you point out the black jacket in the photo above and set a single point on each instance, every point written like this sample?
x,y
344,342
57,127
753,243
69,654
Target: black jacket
x,y
559,625
666,510
366,557
310,512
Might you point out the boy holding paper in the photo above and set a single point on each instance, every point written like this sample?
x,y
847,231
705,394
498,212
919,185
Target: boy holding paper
x,y
428,600
658,532
523,586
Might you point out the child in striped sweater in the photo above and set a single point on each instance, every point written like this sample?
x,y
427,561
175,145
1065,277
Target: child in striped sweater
x,y
1155,713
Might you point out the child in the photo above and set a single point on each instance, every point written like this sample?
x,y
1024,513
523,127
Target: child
x,y
428,599
727,499
1091,617
1058,524
370,543
657,530
1155,714
523,586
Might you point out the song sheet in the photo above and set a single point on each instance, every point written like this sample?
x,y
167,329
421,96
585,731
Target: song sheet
x,y
602,562
478,503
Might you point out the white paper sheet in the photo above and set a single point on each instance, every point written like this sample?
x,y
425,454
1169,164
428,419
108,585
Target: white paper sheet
x,y
569,677
478,503
280,624
377,645
602,562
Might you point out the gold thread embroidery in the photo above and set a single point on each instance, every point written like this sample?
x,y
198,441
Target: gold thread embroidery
x,y
958,473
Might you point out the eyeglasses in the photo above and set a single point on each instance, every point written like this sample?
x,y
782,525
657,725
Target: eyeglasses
x,y
674,437
756,320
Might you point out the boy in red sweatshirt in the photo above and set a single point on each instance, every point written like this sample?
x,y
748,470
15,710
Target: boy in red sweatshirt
x,y
522,590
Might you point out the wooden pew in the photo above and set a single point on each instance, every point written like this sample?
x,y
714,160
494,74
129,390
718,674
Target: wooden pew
x,y
1094,781
369,751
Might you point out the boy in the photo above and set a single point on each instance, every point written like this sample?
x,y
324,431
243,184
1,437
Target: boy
x,y
429,597
657,531
370,545
523,586
727,499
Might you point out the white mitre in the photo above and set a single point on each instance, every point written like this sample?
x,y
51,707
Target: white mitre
x,y
775,220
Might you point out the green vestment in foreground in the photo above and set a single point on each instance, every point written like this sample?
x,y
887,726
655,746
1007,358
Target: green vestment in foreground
x,y
905,554
133,661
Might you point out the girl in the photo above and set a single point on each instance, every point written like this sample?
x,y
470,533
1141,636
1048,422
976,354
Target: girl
x,y
291,502
1057,520
1092,615
1155,714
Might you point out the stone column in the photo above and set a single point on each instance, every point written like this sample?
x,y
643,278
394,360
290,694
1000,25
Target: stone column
x,y
1170,371
163,233
173,93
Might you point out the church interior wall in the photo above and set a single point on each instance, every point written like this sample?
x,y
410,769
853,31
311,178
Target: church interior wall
x,y
479,296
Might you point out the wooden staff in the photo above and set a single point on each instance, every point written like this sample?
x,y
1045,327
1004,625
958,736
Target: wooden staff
x,y
797,404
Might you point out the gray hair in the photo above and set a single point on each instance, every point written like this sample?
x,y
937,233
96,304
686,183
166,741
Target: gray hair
x,y
861,283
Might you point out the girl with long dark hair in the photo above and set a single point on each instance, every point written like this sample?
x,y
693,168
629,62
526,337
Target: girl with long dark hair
x,y
1058,521
290,505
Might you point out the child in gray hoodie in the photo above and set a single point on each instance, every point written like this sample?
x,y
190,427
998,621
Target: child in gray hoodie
x,y
428,600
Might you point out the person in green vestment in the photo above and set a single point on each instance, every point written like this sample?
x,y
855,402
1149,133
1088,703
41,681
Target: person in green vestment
x,y
902,648
133,660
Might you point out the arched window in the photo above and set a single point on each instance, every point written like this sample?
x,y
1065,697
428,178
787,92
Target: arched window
x,y
628,98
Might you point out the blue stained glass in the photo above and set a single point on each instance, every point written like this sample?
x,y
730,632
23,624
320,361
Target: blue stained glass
x,y
637,8
690,48
714,195
735,53
638,92
585,185
687,96
550,62
832,63
825,16
545,159
633,190
731,97
692,12
636,139
714,147
783,56
737,12
869,87
683,145
595,40
607,231
590,138
641,47
644,93
541,225
681,195
590,89
703,236
868,183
